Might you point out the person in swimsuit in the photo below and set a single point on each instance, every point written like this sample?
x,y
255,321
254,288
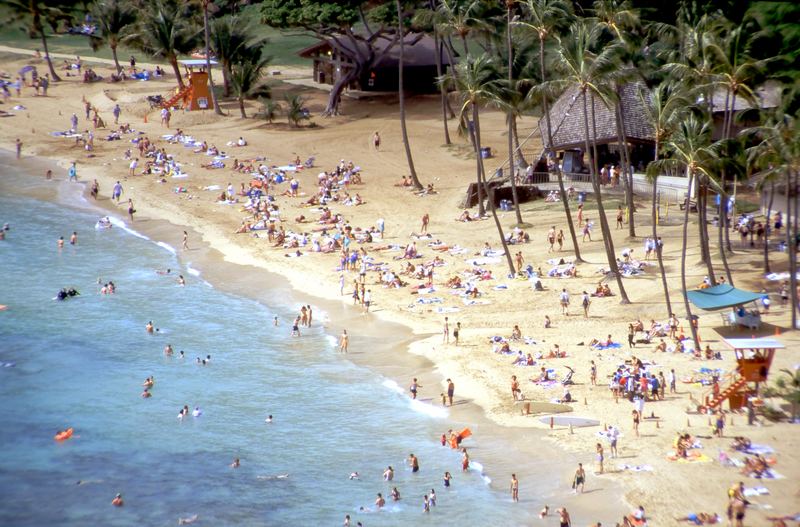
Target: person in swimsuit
x,y
446,479
514,488
414,462
395,494
464,460
580,478
117,501
599,450
413,388
388,474
563,518
379,501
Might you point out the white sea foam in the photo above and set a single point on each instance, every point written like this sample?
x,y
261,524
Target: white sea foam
x,y
191,270
167,246
429,409
388,383
116,222
332,341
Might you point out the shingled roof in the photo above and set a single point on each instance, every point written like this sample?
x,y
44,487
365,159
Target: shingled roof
x,y
566,115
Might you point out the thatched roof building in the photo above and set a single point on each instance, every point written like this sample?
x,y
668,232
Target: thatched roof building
x,y
566,115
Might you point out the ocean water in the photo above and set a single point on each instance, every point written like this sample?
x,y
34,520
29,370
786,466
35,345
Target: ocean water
x,y
80,363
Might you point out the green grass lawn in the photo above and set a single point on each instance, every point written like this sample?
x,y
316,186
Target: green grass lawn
x,y
282,46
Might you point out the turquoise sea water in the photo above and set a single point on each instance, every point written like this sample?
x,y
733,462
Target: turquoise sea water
x,y
81,362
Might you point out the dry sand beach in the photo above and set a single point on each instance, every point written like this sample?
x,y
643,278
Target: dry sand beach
x,y
667,489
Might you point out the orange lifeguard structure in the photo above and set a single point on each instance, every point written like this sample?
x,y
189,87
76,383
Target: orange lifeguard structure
x,y
753,358
196,94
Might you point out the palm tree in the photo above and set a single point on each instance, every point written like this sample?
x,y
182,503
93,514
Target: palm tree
x,y
271,109
232,37
543,17
402,97
165,30
689,148
620,19
207,43
778,156
510,116
113,17
665,106
247,78
588,71
295,109
35,14
477,84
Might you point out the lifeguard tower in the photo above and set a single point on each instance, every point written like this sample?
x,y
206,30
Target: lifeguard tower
x,y
753,360
195,95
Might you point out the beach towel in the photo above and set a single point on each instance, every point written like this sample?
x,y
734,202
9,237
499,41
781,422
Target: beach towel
x,y
692,457
444,309
529,340
759,449
432,300
636,468
755,491
483,260
474,302
500,287
613,345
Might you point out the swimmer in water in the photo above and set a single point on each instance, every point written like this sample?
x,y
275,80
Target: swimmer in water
x,y
432,498
388,474
181,280
379,501
74,238
168,350
446,479
268,420
197,412
146,393
149,327
181,355
159,271
117,501
354,475
149,382
544,512
60,242
187,521
395,494
275,321
235,463
414,462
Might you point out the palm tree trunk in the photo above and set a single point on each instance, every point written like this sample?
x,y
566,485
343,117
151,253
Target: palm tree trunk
x,y
226,79
607,241
476,120
626,164
683,270
704,238
174,62
214,102
723,200
521,162
559,175
241,106
659,257
767,269
402,97
53,73
510,117
114,55
791,245
442,87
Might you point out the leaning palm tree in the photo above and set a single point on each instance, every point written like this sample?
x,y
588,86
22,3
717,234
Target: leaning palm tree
x,y
113,17
665,106
477,85
402,97
543,18
587,71
35,14
689,149
247,78
166,30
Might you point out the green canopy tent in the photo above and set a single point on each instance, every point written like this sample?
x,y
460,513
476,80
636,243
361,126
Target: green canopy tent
x,y
720,297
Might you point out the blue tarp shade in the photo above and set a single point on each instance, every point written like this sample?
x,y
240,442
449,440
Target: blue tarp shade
x,y
26,69
720,297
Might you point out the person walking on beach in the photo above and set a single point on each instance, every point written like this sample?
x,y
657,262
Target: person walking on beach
x,y
19,148
636,419
564,300
456,332
344,340
563,518
446,331
165,116
593,374
73,121
514,488
131,210
579,479
185,241
116,192
620,214
413,388
73,172
585,303
426,219
116,111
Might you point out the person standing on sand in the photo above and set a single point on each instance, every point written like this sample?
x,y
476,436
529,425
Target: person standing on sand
x,y
165,116
425,221
73,121
514,488
563,518
131,209
514,387
446,331
636,419
185,241
344,340
593,374
116,192
672,383
600,458
451,389
580,478
73,172
456,332
19,148
564,299
116,111
585,303
376,140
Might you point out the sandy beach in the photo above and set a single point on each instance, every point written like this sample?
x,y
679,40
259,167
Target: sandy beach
x,y
666,489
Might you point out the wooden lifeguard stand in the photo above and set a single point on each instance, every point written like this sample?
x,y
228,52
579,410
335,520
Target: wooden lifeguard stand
x,y
196,94
753,360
